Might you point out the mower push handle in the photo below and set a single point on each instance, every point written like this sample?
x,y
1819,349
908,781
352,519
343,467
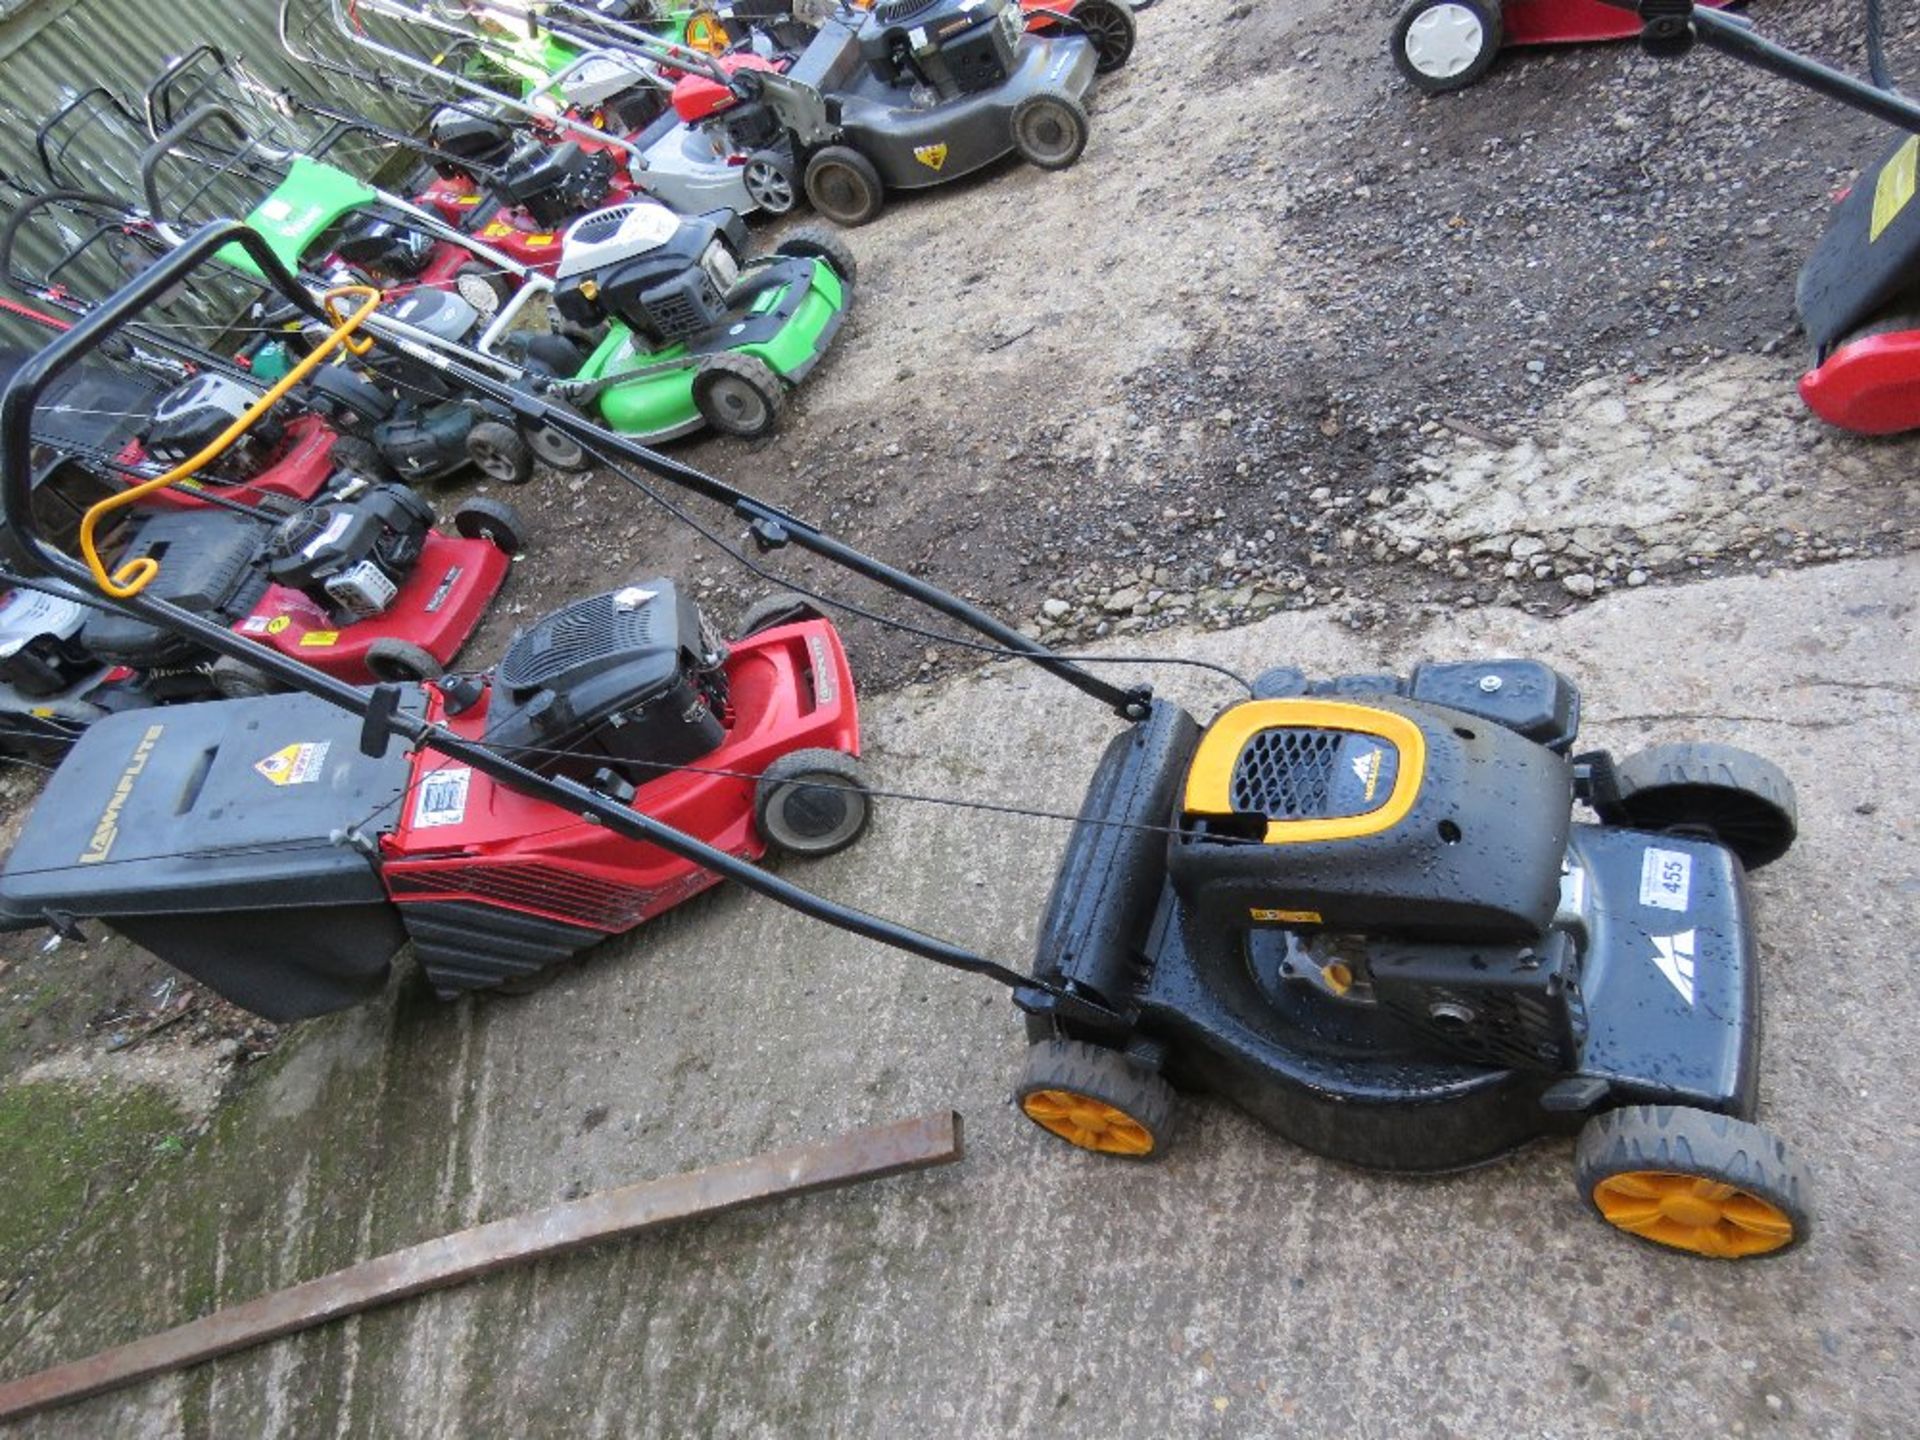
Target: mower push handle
x,y
1670,26
170,141
157,101
125,305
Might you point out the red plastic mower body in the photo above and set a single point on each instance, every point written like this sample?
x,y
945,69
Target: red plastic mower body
x,y
296,470
464,838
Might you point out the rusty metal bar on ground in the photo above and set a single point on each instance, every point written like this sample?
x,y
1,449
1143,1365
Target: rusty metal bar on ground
x,y
435,1264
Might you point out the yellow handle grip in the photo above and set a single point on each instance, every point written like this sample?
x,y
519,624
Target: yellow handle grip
x,y
136,575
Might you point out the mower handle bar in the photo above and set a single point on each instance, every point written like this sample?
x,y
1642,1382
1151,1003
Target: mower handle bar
x,y
43,135
167,145
1674,24
378,707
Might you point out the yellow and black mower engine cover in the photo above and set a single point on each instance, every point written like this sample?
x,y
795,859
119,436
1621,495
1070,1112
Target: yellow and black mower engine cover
x,y
1384,816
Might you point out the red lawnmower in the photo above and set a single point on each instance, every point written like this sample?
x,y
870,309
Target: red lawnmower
x,y
1443,45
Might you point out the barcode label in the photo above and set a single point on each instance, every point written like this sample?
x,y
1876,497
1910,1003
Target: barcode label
x,y
442,799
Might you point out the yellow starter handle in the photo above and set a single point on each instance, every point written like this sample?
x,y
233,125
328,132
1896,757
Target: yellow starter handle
x,y
137,574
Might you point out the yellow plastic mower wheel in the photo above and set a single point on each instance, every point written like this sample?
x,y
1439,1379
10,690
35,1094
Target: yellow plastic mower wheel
x,y
1097,1098
1695,1181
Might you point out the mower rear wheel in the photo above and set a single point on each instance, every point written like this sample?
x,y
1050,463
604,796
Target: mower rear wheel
x,y
493,521
816,242
843,185
482,287
771,610
236,680
500,452
811,803
769,181
1442,45
361,458
1695,1181
1097,1098
555,447
737,395
1744,802
1108,24
1050,130
396,662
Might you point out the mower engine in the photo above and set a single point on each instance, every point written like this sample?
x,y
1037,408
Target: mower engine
x,y
40,650
555,182
957,47
193,414
663,275
384,249
622,686
466,142
352,555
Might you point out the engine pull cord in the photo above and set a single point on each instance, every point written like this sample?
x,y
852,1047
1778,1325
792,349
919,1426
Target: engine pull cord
x,y
137,574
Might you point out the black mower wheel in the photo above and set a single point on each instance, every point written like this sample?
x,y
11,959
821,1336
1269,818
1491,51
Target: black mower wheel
x,y
236,680
494,521
482,287
1050,130
500,452
1744,802
737,395
1109,25
843,186
1097,1098
396,662
555,447
1692,1180
360,458
1442,45
811,803
770,182
771,610
816,242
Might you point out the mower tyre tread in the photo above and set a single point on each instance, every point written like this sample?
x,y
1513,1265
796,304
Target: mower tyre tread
x,y
843,185
777,609
396,661
1746,802
1096,1098
1658,1143
1109,25
1492,31
495,521
717,371
361,458
816,242
236,680
500,452
1075,129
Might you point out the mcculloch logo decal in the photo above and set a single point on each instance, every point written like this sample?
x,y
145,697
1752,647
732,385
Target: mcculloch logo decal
x,y
825,689
1674,955
446,588
107,830
931,156
1366,769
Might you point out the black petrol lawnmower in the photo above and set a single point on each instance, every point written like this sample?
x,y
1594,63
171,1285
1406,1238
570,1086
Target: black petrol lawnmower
x,y
1360,909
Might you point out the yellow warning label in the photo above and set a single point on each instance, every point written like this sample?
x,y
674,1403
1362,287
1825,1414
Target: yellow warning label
x,y
277,624
1286,917
931,156
1894,188
294,764
319,639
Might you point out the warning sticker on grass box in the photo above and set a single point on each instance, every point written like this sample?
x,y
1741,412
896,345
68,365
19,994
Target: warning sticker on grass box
x,y
295,764
442,799
1666,878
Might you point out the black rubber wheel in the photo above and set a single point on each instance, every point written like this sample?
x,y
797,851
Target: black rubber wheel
x,y
843,185
1442,45
770,182
555,447
771,610
494,521
399,661
1744,802
1695,1181
236,680
737,395
482,287
1109,25
361,458
1050,130
811,803
1097,1099
500,452
816,242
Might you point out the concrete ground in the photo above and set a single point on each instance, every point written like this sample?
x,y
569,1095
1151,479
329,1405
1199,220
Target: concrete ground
x,y
1243,1287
